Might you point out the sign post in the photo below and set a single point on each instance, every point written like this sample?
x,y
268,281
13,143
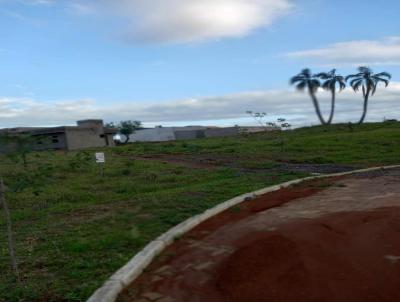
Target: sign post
x,y
101,160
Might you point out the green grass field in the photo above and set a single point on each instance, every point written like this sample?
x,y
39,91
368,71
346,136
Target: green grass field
x,y
74,228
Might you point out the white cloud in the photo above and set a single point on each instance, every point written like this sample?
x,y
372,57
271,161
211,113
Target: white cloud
x,y
296,107
38,2
183,21
81,9
362,52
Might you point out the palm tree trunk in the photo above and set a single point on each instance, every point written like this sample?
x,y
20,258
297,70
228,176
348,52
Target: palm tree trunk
x,y
11,248
332,106
365,108
316,106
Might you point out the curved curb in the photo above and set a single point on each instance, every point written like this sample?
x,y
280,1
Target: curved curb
x,y
130,271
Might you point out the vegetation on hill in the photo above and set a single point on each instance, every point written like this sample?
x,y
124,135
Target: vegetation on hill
x,y
74,227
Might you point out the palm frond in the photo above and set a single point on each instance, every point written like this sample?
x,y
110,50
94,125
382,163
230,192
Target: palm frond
x,y
352,82
351,76
342,85
327,85
315,83
356,85
323,75
296,79
384,74
364,69
378,79
371,84
301,86
306,72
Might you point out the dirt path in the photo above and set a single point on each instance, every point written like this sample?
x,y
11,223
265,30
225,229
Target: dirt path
x,y
309,243
212,161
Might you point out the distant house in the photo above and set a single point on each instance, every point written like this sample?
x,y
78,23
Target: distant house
x,y
161,134
87,134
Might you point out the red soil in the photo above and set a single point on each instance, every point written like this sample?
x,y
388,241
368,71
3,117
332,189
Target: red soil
x,y
262,203
341,257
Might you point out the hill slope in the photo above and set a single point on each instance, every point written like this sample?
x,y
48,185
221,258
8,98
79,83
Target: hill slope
x,y
74,227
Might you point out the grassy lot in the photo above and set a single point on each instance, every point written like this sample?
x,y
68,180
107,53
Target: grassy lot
x,y
74,228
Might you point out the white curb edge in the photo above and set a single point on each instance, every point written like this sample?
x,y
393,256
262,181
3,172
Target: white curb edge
x,y
129,272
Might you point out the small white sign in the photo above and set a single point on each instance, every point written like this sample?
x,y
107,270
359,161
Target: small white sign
x,y
100,158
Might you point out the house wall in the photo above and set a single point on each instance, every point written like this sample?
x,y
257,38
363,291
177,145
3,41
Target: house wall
x,y
98,124
189,128
88,134
81,138
189,134
183,133
153,135
109,140
221,132
55,141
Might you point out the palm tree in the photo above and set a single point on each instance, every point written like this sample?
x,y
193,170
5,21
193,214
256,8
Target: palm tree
x,y
306,80
331,80
368,81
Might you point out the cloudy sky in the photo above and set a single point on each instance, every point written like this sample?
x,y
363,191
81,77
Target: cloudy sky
x,y
175,62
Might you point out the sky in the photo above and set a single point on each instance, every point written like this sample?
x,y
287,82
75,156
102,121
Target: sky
x,y
197,62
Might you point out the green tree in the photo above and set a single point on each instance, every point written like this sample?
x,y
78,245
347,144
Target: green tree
x,y
126,128
331,80
258,117
20,145
368,81
305,80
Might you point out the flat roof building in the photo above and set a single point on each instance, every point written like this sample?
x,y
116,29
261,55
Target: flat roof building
x,y
87,134
161,134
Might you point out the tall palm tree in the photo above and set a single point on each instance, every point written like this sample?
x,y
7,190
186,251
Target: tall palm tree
x,y
368,81
331,80
306,80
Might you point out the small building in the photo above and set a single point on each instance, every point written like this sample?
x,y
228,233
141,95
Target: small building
x,y
162,134
87,134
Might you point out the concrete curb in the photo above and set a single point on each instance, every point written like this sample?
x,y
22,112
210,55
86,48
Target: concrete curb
x,y
129,272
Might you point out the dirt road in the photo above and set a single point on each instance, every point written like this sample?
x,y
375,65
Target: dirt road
x,y
334,240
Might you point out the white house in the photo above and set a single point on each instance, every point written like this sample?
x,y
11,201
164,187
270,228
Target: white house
x,y
162,134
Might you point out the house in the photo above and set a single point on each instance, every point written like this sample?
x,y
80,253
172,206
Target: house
x,y
161,134
87,134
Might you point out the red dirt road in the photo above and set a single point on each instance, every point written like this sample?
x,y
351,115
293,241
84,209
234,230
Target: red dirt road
x,y
303,244
341,257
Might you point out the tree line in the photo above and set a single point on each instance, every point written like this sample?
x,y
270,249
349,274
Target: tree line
x,y
365,79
